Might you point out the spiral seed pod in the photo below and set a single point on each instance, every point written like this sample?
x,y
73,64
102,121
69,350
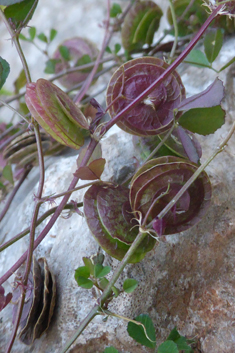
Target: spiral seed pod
x,y
56,113
110,219
154,114
140,24
81,51
23,149
39,301
158,181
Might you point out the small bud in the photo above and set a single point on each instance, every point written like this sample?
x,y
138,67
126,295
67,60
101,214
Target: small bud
x,y
56,113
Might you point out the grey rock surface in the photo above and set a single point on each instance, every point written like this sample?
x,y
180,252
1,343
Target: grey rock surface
x,y
187,281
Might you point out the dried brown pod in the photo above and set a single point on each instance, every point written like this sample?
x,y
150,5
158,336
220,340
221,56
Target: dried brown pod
x,y
23,149
39,300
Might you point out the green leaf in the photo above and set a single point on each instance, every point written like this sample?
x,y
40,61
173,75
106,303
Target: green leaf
x,y
32,33
203,121
197,57
83,271
108,50
20,81
53,33
7,173
110,350
2,186
64,52
85,59
103,282
4,71
130,285
168,347
115,10
22,37
101,271
183,345
88,263
213,43
42,37
117,48
50,66
137,332
21,13
84,282
181,341
116,291
174,335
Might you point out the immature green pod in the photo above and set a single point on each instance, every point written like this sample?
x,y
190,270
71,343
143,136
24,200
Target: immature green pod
x,y
56,113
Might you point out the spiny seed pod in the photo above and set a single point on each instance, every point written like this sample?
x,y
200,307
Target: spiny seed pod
x,y
39,300
80,51
154,114
158,181
56,113
140,24
23,149
110,219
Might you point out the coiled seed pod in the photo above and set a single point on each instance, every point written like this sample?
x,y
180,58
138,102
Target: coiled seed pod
x,y
140,24
39,301
81,51
158,181
155,114
110,219
56,113
23,149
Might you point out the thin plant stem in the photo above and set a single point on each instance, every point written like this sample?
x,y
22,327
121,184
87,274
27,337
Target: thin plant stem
x,y
106,40
14,110
172,53
70,191
108,290
13,193
104,130
197,173
165,74
48,213
58,211
160,144
140,237
15,39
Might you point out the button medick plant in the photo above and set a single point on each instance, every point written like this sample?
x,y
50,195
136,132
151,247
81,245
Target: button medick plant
x,y
169,192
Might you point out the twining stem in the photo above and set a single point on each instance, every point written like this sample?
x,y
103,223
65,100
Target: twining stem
x,y
197,173
48,213
15,39
105,129
105,43
13,193
165,74
108,290
106,293
172,53
58,211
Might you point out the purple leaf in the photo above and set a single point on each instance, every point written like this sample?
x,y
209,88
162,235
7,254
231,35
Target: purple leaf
x,y
188,144
4,299
210,97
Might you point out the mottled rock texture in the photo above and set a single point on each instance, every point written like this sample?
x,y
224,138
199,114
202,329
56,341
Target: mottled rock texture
x,y
187,281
